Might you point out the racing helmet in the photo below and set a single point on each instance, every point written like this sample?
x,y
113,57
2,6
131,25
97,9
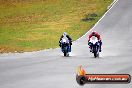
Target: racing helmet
x,y
93,33
64,34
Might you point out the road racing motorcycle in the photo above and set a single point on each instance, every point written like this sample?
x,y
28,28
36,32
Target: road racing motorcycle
x,y
65,46
94,46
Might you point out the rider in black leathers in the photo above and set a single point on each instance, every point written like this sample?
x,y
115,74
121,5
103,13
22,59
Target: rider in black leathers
x,y
69,38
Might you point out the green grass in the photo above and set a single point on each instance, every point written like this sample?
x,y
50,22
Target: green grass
x,y
37,24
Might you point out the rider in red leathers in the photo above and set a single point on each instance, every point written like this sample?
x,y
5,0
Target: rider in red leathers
x,y
96,34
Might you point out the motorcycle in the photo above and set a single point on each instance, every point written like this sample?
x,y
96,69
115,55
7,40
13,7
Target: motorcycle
x,y
65,45
95,46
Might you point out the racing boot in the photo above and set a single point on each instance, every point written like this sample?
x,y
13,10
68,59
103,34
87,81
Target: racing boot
x,y
90,49
100,49
100,44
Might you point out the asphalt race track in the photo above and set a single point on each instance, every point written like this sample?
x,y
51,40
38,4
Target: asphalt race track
x,y
49,69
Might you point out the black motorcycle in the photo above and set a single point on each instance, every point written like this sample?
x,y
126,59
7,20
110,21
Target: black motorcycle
x,y
65,45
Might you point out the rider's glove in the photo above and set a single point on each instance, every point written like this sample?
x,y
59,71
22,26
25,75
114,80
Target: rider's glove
x,y
70,43
88,42
60,45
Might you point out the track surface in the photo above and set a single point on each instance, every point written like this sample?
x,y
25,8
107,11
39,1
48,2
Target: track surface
x,y
49,69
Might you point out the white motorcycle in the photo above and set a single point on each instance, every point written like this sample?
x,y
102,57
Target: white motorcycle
x,y
95,46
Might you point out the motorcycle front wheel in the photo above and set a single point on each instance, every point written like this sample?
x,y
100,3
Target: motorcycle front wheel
x,y
95,54
65,54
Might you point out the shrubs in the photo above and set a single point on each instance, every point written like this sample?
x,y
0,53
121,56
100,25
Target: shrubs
x,y
90,17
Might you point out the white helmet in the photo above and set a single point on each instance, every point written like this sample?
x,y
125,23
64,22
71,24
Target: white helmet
x,y
64,34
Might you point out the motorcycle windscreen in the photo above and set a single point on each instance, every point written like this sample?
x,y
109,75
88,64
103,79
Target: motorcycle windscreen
x,y
93,39
65,40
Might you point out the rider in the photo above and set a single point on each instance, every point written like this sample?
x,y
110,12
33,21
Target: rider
x,y
69,38
96,34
